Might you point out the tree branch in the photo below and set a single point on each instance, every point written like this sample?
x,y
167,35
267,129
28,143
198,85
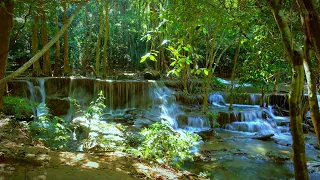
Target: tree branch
x,y
43,50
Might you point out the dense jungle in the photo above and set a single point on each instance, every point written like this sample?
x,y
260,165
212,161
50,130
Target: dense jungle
x,y
159,89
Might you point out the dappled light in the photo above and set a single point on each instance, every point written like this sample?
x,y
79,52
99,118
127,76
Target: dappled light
x,y
149,89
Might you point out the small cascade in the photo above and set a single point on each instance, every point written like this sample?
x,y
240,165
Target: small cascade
x,y
38,94
222,99
217,99
164,99
197,124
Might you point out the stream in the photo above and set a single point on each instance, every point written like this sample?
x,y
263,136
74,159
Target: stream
x,y
231,153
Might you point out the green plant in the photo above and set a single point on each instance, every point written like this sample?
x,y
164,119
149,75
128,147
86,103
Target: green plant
x,y
213,116
21,108
51,131
204,174
165,146
96,108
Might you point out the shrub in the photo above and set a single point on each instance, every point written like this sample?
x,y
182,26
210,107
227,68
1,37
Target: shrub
x,y
21,108
51,131
213,116
165,146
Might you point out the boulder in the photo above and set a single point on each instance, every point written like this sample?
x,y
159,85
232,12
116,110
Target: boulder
x,y
182,120
58,106
151,75
263,137
276,157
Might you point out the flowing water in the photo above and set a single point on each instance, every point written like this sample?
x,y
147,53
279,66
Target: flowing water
x,y
238,156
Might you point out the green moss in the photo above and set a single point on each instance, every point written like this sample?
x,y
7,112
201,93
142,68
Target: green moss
x,y
20,107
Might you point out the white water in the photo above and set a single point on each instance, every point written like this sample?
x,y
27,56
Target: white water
x,y
38,94
252,118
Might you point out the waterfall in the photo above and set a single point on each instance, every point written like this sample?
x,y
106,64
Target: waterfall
x,y
38,94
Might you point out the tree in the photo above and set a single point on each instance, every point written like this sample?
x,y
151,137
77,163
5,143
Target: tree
x,y
105,44
34,42
66,65
6,21
297,85
44,33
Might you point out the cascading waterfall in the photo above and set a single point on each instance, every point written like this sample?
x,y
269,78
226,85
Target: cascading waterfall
x,y
35,91
251,118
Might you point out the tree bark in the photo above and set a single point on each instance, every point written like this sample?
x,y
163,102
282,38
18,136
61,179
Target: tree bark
x,y
312,21
34,44
57,65
66,65
312,91
46,56
42,51
105,44
6,21
236,56
297,85
99,41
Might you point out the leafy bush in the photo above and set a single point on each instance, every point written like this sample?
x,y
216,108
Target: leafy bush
x,y
21,108
165,146
213,116
96,108
51,131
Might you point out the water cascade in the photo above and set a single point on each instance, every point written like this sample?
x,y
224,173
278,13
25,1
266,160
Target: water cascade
x,y
38,94
250,117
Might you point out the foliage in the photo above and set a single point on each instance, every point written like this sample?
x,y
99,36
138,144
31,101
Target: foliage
x,y
213,116
134,140
51,131
96,108
21,108
160,143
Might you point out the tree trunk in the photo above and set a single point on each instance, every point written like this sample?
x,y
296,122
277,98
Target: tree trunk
x,y
105,43
34,44
6,21
57,65
46,56
297,85
236,56
99,41
307,12
312,91
42,51
276,83
312,21
66,65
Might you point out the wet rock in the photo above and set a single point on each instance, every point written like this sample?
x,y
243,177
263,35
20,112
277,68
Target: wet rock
x,y
188,99
283,122
263,137
306,128
174,84
283,142
182,120
141,123
226,118
314,167
58,106
151,75
205,135
276,157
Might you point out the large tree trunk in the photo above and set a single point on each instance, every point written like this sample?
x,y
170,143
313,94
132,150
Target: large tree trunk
x,y
6,21
99,41
34,43
42,51
66,65
310,22
46,56
57,65
297,85
312,91
105,44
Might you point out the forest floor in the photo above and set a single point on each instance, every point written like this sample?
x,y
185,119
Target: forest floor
x,y
22,157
